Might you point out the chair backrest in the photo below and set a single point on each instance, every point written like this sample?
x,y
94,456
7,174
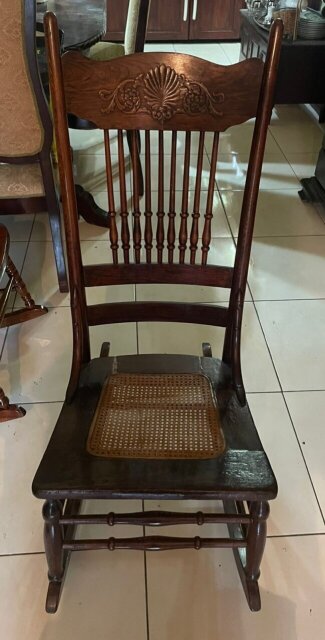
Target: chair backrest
x,y
165,94
136,26
25,125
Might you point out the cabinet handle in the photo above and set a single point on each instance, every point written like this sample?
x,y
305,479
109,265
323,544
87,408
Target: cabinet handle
x,y
194,12
185,11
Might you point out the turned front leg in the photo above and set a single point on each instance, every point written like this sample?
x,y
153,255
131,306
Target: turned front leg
x,y
256,538
53,539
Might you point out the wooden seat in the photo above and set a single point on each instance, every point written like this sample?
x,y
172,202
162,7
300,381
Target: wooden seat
x,y
16,316
26,175
156,245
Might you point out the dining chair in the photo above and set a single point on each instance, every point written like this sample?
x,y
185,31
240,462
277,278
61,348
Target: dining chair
x,y
13,316
135,34
26,173
158,427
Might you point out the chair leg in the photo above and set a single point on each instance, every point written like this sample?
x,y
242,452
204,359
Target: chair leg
x,y
53,541
54,535
248,560
31,309
138,161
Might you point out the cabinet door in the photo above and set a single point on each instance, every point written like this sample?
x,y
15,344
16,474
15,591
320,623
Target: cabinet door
x,y
169,20
116,12
215,19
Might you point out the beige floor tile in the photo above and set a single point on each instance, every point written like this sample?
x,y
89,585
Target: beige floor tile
x,y
198,595
36,360
208,51
238,139
232,51
41,275
22,444
276,172
279,213
288,268
303,163
297,137
279,441
159,46
103,597
307,412
288,115
19,226
91,171
258,372
295,333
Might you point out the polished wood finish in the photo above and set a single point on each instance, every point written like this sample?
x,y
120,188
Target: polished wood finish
x,y
8,318
157,244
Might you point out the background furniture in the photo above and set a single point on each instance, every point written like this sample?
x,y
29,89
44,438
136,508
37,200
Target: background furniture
x,y
8,318
181,19
26,175
82,21
302,63
176,93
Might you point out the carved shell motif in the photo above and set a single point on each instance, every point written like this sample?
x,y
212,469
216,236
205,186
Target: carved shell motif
x,y
162,93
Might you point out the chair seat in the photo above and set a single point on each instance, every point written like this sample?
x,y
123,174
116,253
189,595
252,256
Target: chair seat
x,y
242,471
105,51
21,181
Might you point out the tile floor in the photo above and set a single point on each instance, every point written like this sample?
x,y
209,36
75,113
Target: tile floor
x,y
182,595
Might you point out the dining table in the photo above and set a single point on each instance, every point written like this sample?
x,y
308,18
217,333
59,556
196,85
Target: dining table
x,y
83,22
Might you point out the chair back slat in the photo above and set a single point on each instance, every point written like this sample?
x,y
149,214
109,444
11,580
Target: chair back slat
x,y
171,234
148,235
206,236
136,201
160,212
111,200
125,231
196,205
185,194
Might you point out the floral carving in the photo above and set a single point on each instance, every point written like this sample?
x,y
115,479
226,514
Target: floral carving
x,y
161,93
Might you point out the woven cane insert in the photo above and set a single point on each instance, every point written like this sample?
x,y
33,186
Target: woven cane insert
x,y
156,416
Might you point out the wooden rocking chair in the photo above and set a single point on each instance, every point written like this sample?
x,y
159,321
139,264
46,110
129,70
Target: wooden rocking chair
x,y
158,426
8,318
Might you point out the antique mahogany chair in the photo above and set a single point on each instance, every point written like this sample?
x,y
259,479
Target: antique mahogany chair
x,y
158,426
26,175
14,316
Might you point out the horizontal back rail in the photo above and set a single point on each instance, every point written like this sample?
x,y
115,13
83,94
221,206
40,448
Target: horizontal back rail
x,y
112,313
107,274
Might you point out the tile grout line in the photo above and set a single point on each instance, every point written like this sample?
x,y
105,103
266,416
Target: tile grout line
x,y
304,459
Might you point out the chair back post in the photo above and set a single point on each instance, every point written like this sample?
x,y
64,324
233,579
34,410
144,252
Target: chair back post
x,y
136,26
231,351
81,347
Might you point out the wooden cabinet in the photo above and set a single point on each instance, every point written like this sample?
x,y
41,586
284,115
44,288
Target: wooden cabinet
x,y
167,20
215,19
181,19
